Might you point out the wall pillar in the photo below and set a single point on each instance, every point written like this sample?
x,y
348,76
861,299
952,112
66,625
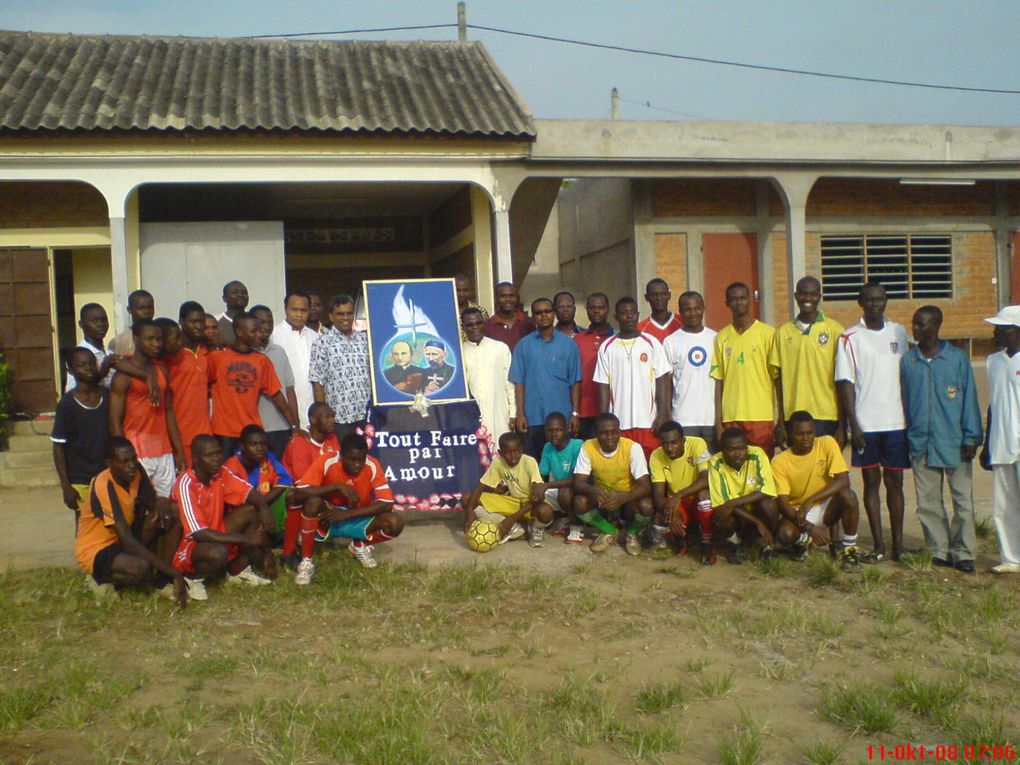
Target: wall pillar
x,y
121,268
504,261
794,189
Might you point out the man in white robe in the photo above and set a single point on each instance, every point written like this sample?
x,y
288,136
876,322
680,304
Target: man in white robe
x,y
296,339
486,367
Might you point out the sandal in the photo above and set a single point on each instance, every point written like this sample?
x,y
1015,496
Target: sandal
x,y
872,557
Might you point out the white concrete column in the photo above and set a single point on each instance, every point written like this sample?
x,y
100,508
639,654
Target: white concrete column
x,y
504,262
794,189
119,263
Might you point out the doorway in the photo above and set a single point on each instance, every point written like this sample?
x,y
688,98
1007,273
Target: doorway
x,y
728,258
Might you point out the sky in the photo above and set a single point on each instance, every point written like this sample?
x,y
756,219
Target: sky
x,y
951,42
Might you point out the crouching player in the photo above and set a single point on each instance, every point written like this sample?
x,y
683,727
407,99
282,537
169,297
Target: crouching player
x,y
611,479
510,492
814,492
345,495
743,494
680,489
559,455
224,519
122,523
254,462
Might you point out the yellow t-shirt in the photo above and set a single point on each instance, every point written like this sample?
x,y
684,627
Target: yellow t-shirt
x,y
725,483
800,475
518,479
747,364
680,473
808,362
614,472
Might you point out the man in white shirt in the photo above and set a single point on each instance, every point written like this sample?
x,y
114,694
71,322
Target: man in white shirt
x,y
1002,449
296,339
689,351
486,369
868,378
633,378
95,325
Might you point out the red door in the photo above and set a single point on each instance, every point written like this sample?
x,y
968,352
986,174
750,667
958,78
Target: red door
x,y
728,258
26,330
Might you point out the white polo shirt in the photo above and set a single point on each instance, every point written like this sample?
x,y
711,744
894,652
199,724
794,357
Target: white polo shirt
x,y
870,359
690,356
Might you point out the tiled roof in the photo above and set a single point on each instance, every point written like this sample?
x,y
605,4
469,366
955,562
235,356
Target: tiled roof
x,y
51,82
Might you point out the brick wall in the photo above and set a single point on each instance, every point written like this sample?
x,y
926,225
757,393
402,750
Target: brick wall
x,y
694,197
889,198
671,261
51,205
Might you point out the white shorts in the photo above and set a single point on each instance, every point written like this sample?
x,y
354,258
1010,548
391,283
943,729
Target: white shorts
x,y
816,513
162,471
552,496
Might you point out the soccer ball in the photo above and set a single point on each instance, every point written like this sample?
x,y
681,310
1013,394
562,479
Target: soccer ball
x,y
482,535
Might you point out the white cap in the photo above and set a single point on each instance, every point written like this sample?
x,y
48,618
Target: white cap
x,y
1007,317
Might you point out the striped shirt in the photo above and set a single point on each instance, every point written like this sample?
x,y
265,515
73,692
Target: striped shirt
x,y
201,505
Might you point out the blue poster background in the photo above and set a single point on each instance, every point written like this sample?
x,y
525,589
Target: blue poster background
x,y
431,462
407,322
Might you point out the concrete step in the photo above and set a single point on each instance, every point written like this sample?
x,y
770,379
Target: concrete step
x,y
33,476
29,444
31,427
19,460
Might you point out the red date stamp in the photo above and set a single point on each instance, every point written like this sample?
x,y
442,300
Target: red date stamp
x,y
911,752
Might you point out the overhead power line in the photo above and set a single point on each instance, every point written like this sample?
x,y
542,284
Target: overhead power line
x,y
656,54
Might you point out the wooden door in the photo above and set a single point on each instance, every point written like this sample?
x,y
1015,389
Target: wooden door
x,y
728,258
26,329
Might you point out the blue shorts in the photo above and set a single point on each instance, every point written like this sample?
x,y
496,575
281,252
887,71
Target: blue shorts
x,y
887,449
356,528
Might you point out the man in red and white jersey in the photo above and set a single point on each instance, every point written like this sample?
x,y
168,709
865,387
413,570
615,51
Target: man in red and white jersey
x,y
662,322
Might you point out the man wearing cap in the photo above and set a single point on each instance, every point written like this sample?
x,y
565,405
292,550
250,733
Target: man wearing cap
x,y
438,373
1002,452
943,434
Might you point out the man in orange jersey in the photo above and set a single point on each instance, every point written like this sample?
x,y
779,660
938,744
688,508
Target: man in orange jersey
x,y
238,375
122,522
150,426
662,322
189,377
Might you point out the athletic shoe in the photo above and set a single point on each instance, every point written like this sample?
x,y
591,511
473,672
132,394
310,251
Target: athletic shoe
x,y
632,544
941,562
736,556
166,592
1006,568
516,532
196,589
559,527
766,554
536,537
850,560
656,539
603,542
576,535
708,553
249,577
365,555
101,591
290,562
800,553
305,571
966,566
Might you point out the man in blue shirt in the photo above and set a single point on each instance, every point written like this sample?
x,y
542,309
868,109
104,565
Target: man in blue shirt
x,y
546,373
943,431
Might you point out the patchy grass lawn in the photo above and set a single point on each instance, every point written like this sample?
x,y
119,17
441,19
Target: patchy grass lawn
x,y
626,660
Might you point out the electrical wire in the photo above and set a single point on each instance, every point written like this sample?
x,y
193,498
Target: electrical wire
x,y
353,31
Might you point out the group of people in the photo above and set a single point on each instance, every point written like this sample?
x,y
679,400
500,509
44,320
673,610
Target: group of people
x,y
188,447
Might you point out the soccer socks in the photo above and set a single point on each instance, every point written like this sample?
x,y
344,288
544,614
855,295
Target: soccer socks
x,y
374,538
291,529
705,519
596,519
308,528
637,523
849,540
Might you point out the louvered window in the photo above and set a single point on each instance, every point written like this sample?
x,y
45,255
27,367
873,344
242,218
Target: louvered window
x,y
908,265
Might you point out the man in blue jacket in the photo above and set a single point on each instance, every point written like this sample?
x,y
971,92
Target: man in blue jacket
x,y
943,431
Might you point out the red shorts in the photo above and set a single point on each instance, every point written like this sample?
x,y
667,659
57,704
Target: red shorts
x,y
182,558
688,508
760,434
643,437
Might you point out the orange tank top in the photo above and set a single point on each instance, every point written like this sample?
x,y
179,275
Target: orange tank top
x,y
145,424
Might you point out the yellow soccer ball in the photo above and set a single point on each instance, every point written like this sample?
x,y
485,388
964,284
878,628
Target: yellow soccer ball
x,y
482,535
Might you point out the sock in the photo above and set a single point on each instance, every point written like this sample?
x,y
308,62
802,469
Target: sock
x,y
308,528
539,523
803,539
705,519
637,523
374,537
660,528
849,540
596,519
291,529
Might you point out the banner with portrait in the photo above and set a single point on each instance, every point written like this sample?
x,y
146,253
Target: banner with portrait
x,y
414,341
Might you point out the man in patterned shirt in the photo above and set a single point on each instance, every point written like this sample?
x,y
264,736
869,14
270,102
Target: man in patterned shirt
x,y
339,367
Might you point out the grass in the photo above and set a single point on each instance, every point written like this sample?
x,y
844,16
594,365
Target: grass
x,y
859,707
820,752
928,698
652,699
744,744
717,685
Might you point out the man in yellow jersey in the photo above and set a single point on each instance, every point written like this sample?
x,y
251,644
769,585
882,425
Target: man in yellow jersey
x,y
745,366
511,491
814,493
611,478
743,495
807,361
680,488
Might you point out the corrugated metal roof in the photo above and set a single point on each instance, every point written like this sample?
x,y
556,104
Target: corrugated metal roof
x,y
105,83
